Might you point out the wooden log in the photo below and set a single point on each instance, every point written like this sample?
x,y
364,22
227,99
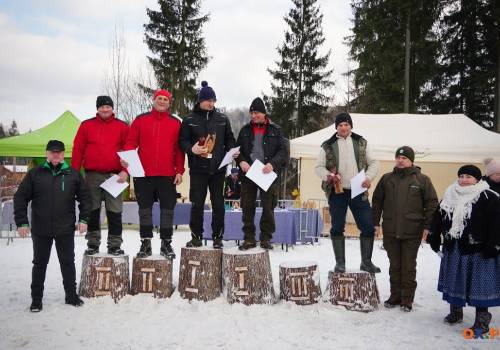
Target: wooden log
x,y
200,275
356,290
299,282
104,274
152,275
247,276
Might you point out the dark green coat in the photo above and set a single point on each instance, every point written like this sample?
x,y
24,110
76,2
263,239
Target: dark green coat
x,y
406,201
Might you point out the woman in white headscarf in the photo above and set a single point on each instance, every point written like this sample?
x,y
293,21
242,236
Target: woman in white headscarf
x,y
468,219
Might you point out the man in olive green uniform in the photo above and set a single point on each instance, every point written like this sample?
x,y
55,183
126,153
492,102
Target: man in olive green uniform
x,y
406,200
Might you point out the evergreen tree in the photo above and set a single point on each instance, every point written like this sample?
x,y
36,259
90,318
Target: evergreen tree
x,y
174,36
13,129
2,131
301,75
467,80
391,38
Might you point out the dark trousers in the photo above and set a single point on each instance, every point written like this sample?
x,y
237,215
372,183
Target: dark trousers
x,y
148,190
360,208
65,246
402,254
268,201
199,183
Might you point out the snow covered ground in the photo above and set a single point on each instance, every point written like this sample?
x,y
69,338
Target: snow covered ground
x,y
141,322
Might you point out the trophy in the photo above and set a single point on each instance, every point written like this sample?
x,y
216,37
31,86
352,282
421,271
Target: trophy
x,y
209,143
335,180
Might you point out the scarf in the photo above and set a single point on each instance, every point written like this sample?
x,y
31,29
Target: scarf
x,y
457,204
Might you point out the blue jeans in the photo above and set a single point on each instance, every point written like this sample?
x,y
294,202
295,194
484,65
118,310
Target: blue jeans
x,y
360,209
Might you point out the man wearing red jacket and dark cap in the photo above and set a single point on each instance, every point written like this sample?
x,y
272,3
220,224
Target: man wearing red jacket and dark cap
x,y
94,148
155,135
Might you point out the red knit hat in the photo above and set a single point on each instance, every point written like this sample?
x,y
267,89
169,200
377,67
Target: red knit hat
x,y
163,92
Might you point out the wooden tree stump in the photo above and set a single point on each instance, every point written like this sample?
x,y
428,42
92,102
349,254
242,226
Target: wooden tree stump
x,y
200,275
355,290
152,275
104,274
247,276
299,282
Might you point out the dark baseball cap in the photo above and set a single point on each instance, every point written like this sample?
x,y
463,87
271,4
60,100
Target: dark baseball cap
x,y
55,146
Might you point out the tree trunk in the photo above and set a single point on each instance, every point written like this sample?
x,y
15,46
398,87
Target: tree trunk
x,y
247,276
152,275
200,275
104,275
497,88
299,282
356,291
407,64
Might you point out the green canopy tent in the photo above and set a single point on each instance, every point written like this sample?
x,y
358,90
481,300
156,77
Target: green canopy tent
x,y
32,145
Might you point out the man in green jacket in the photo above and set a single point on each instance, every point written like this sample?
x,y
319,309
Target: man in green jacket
x,y
406,200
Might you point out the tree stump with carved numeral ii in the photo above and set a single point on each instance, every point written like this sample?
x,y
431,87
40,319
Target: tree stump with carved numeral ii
x,y
104,274
152,275
246,276
356,290
200,275
299,282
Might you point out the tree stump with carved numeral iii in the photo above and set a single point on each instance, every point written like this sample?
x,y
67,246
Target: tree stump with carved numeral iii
x,y
152,275
246,276
299,282
200,275
104,274
355,290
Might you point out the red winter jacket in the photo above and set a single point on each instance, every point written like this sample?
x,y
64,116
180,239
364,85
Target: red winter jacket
x,y
156,135
96,144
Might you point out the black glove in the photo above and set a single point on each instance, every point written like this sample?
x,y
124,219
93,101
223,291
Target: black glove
x,y
434,240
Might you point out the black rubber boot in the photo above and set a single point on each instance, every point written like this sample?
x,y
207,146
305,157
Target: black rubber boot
x,y
366,246
338,243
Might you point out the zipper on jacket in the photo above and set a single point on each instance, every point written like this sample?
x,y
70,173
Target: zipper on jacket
x,y
62,183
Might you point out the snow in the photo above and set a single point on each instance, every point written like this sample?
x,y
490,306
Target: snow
x,y
297,264
142,322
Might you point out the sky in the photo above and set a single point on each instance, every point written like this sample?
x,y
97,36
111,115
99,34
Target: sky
x,y
54,54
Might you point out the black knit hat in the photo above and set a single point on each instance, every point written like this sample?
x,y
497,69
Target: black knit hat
x,y
343,117
206,93
103,101
406,151
471,170
258,106
55,146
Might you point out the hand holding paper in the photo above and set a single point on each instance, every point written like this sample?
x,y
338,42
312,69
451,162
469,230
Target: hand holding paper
x,y
114,187
357,184
228,158
134,163
257,175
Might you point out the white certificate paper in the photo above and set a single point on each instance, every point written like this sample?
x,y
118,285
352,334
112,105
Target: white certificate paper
x,y
114,187
262,180
228,158
135,168
356,181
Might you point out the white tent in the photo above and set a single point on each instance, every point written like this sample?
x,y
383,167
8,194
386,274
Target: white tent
x,y
435,138
441,142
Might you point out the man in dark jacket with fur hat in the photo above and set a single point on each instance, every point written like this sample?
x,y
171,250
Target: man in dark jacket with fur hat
x,y
52,189
261,140
205,137
406,200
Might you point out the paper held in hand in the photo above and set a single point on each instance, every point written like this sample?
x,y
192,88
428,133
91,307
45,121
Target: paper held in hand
x,y
262,180
356,182
228,158
135,168
114,187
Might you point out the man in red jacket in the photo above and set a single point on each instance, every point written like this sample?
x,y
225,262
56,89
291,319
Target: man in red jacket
x,y
94,148
155,135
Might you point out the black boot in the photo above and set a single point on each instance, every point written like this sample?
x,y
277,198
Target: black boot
x,y
217,244
247,244
166,249
195,242
481,325
115,251
36,306
92,250
74,299
455,316
145,250
392,302
338,243
266,245
366,246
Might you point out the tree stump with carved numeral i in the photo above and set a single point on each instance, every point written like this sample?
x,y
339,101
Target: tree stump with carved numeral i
x,y
152,275
299,282
246,276
200,275
355,290
104,274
